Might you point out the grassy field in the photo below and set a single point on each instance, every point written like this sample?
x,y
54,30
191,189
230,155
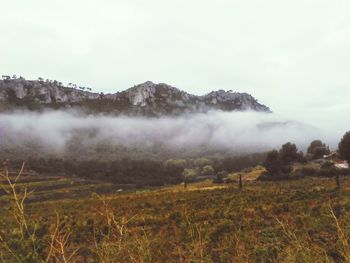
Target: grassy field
x,y
305,220
49,188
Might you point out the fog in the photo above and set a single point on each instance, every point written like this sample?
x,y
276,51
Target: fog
x,y
234,131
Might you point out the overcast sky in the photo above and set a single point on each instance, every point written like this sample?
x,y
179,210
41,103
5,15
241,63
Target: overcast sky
x,y
288,54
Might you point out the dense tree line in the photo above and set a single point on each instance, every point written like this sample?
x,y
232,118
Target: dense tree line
x,y
279,164
141,172
125,171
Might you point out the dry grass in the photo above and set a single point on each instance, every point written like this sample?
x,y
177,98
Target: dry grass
x,y
250,174
297,221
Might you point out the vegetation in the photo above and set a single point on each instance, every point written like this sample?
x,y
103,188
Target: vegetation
x,y
317,149
107,212
138,172
208,170
289,221
118,104
289,163
273,163
344,147
220,177
288,153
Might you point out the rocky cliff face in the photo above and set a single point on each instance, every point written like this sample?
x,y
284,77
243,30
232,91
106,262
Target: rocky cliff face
x,y
229,100
41,92
145,99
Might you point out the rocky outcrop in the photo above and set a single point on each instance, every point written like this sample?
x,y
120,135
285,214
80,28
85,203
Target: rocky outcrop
x,y
148,93
41,92
147,99
234,101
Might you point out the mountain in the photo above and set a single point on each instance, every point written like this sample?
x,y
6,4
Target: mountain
x,y
148,99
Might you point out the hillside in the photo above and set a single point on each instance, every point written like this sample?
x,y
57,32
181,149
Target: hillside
x,y
290,221
148,99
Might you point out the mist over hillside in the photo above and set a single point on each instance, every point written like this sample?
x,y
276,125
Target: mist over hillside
x,y
44,118
72,134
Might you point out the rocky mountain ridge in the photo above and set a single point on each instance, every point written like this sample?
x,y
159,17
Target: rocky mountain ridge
x,y
144,99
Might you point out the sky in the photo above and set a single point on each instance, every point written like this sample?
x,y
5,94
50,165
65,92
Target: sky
x,y
293,56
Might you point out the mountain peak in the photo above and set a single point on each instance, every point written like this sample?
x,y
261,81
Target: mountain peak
x,y
144,85
147,98
147,83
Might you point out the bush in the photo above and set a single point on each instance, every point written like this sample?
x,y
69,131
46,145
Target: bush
x,y
296,175
308,171
328,172
228,181
301,158
201,162
190,175
277,177
327,165
286,169
207,170
220,177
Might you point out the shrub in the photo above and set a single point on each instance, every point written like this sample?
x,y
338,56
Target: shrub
x,y
308,171
190,175
296,175
207,170
220,177
201,162
228,181
327,165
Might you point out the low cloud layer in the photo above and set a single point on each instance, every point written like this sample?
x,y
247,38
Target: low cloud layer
x,y
234,132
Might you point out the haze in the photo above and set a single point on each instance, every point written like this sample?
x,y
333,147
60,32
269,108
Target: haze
x,y
235,132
